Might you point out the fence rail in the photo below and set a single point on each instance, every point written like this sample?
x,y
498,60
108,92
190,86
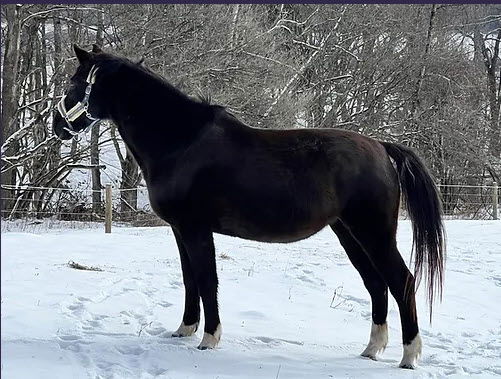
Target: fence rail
x,y
469,201
131,206
26,205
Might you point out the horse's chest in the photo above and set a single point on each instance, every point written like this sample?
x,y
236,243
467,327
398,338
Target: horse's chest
x,y
168,196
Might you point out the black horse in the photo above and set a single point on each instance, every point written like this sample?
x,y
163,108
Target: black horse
x,y
207,173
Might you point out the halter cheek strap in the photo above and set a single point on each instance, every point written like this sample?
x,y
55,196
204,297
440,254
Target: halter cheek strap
x,y
80,107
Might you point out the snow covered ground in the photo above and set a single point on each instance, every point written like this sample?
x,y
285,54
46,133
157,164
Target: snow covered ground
x,y
288,311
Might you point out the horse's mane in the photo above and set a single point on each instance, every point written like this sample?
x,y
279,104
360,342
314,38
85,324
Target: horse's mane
x,y
204,108
205,98
116,61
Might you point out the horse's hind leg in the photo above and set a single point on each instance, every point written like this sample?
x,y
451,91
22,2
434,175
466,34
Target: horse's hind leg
x,y
374,283
377,235
191,316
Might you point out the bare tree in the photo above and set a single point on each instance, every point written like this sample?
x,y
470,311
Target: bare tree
x,y
10,68
94,137
419,74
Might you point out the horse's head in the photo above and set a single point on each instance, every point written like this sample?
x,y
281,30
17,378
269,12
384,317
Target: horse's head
x,y
80,107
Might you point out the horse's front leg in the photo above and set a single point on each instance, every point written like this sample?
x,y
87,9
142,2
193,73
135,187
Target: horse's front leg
x,y
191,317
200,250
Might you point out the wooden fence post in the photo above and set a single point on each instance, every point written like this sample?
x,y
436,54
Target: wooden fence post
x,y
108,209
495,200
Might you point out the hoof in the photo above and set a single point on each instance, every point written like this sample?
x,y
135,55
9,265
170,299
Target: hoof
x,y
407,366
370,356
210,341
185,330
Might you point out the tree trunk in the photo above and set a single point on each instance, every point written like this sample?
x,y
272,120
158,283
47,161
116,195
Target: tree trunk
x,y
129,181
234,23
416,102
494,101
55,149
128,185
94,138
9,94
39,129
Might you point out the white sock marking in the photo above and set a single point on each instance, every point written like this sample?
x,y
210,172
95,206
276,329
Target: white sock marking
x,y
377,341
185,330
210,341
411,353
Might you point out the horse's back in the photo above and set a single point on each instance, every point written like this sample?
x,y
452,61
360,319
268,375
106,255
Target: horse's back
x,y
304,179
271,185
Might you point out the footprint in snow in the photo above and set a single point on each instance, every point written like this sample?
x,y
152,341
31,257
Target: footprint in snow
x,y
277,341
74,307
356,300
156,371
165,304
130,350
70,342
497,280
304,278
100,317
175,284
155,330
70,337
255,315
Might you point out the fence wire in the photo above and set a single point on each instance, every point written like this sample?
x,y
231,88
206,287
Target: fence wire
x,y
46,205
468,202
31,206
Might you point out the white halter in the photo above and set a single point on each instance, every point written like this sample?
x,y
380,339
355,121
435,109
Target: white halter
x,y
80,107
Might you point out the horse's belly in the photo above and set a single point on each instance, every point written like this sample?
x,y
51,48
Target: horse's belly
x,y
267,236
273,228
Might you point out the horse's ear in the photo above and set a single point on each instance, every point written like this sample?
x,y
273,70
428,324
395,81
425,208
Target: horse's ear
x,y
96,49
82,55
140,62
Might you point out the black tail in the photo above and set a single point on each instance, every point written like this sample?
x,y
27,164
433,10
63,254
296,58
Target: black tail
x,y
425,210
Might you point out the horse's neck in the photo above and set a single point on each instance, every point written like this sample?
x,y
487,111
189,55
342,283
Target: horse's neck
x,y
154,120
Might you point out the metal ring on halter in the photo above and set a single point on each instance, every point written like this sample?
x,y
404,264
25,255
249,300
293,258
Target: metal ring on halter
x,y
80,107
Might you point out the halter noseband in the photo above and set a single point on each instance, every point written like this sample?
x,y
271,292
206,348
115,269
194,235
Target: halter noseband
x,y
80,107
